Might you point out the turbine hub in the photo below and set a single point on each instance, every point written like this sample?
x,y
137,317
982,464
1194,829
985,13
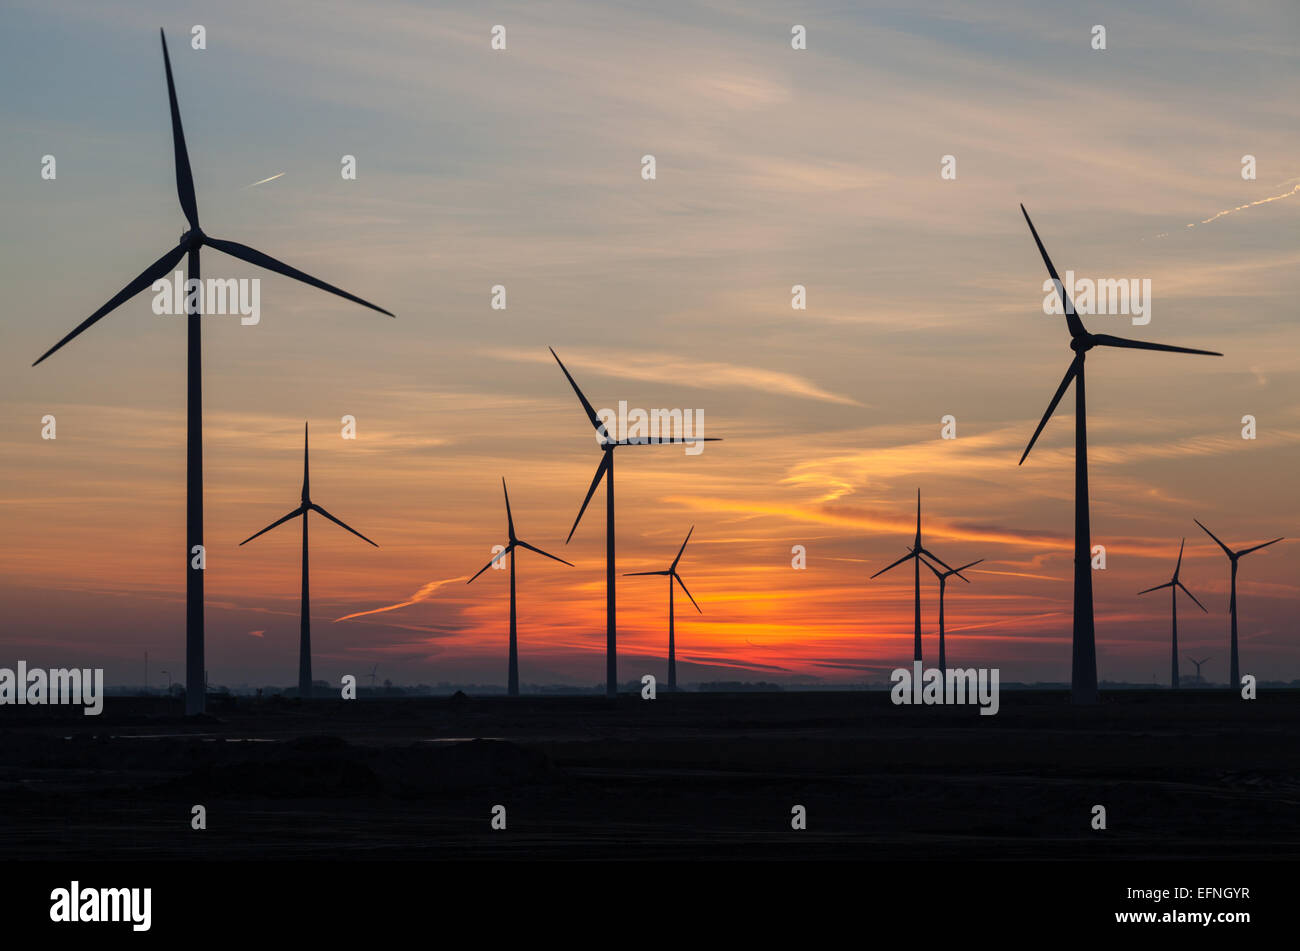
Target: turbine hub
x,y
193,238
1082,343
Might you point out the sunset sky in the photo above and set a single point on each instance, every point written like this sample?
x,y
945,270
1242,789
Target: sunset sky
x,y
775,167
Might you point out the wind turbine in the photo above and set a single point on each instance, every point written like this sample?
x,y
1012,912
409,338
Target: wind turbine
x,y
1198,664
304,624
1233,556
1173,585
371,675
943,577
606,471
190,243
1083,666
915,553
671,573
514,542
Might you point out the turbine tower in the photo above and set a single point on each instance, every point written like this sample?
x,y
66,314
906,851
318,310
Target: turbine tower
x,y
672,574
943,577
304,624
605,470
1234,556
915,553
1173,585
189,246
1083,666
514,542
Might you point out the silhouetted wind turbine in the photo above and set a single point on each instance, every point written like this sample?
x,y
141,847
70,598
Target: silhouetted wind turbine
x,y
371,675
1198,664
671,573
943,577
304,625
512,686
1233,556
606,470
1173,585
189,246
1083,667
915,553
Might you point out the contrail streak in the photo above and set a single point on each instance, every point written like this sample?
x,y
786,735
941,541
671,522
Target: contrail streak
x,y
1232,211
1262,201
422,595
265,180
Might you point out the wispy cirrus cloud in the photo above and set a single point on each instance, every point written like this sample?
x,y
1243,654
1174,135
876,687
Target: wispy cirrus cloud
x,y
666,368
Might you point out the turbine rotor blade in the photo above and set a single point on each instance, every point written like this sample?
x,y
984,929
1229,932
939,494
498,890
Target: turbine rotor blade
x,y
184,177
911,554
937,572
306,476
253,256
641,574
1178,567
1106,340
665,440
1167,584
1072,320
1070,374
1226,550
317,508
958,571
153,272
930,554
683,548
591,413
300,510
510,519
1247,551
533,548
1193,597
600,472
495,558
688,594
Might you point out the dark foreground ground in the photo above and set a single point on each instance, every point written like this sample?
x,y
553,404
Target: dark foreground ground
x,y
1196,775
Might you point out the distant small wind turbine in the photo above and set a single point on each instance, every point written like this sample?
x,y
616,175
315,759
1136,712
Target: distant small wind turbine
x,y
512,685
1234,556
943,577
304,623
1173,585
1198,663
915,553
672,574
1083,663
371,675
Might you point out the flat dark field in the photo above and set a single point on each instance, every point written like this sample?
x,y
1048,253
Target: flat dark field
x,y
1201,774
